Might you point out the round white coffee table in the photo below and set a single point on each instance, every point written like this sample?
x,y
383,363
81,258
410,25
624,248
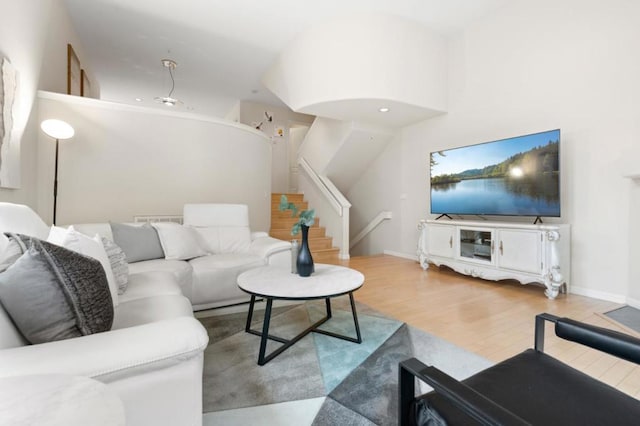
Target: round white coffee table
x,y
278,283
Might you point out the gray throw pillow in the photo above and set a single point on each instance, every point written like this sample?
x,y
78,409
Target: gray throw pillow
x,y
119,265
52,293
138,242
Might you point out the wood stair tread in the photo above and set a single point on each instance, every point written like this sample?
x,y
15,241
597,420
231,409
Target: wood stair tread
x,y
321,245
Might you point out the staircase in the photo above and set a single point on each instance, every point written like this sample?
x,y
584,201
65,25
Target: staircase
x,y
320,245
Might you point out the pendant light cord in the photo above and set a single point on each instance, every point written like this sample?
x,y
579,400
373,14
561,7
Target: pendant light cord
x,y
173,82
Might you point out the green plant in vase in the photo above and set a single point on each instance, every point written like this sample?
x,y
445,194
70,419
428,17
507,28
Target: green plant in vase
x,y
306,218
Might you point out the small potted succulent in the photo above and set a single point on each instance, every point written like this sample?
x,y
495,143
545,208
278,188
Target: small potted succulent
x,y
306,218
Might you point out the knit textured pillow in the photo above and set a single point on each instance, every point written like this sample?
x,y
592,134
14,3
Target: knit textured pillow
x,y
52,293
119,264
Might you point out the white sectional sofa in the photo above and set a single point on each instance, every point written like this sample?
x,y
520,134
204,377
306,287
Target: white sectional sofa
x,y
208,252
153,355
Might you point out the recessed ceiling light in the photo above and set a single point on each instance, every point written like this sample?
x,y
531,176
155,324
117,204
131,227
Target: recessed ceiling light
x,y
384,109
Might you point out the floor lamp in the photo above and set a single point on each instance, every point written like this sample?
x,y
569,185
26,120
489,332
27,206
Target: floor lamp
x,y
59,130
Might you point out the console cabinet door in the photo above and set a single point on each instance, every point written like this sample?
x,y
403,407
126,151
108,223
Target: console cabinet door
x,y
520,250
476,245
440,240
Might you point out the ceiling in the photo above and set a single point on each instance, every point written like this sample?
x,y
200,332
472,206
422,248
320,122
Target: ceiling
x,y
222,48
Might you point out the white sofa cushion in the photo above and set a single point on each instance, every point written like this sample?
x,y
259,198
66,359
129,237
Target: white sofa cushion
x,y
149,284
219,239
223,228
235,239
150,309
181,270
208,214
178,242
123,353
214,278
20,219
10,336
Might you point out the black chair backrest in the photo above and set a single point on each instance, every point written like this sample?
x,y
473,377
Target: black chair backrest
x,y
609,341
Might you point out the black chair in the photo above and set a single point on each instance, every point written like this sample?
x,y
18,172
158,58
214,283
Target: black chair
x,y
531,388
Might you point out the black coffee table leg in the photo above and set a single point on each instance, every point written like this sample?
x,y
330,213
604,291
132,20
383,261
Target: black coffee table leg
x,y
355,318
263,358
358,338
265,333
250,315
328,306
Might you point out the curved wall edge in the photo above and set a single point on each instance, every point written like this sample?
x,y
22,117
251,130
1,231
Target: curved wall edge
x,y
98,103
125,161
370,56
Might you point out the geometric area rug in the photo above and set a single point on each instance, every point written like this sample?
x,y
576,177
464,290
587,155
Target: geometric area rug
x,y
628,316
355,384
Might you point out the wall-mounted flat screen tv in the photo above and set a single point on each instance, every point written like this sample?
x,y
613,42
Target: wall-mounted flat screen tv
x,y
518,176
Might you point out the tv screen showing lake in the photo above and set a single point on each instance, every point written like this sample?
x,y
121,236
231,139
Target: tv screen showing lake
x,y
516,177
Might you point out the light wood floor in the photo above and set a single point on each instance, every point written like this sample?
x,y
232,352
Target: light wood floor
x,y
494,320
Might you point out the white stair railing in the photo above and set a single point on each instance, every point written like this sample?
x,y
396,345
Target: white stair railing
x,y
335,218
381,217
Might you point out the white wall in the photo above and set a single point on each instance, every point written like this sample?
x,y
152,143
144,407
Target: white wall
x,y
380,189
323,141
634,235
23,41
252,113
126,160
31,36
326,216
332,66
60,32
297,134
535,66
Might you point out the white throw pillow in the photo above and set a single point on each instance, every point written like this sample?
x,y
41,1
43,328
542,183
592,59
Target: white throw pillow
x,y
57,235
92,247
178,242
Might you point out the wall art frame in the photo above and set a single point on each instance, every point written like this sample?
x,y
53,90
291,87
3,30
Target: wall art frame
x,y
85,84
74,71
9,140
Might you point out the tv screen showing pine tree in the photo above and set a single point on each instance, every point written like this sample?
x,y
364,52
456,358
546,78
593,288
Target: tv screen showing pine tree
x,y
519,176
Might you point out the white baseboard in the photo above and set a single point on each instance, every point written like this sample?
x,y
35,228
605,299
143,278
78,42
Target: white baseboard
x,y
402,255
580,291
596,294
634,303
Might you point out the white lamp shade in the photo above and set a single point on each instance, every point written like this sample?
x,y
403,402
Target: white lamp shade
x,y
57,129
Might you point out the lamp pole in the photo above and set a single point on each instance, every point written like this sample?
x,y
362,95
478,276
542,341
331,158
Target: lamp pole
x,y
56,129
55,185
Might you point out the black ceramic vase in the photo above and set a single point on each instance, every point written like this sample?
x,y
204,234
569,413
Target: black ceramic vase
x,y
304,262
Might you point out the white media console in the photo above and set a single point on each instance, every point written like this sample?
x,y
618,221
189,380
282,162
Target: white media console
x,y
497,251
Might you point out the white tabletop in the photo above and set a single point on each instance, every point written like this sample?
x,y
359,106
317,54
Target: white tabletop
x,y
58,400
280,283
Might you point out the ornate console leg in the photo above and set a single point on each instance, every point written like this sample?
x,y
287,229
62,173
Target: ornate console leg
x,y
554,279
422,242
